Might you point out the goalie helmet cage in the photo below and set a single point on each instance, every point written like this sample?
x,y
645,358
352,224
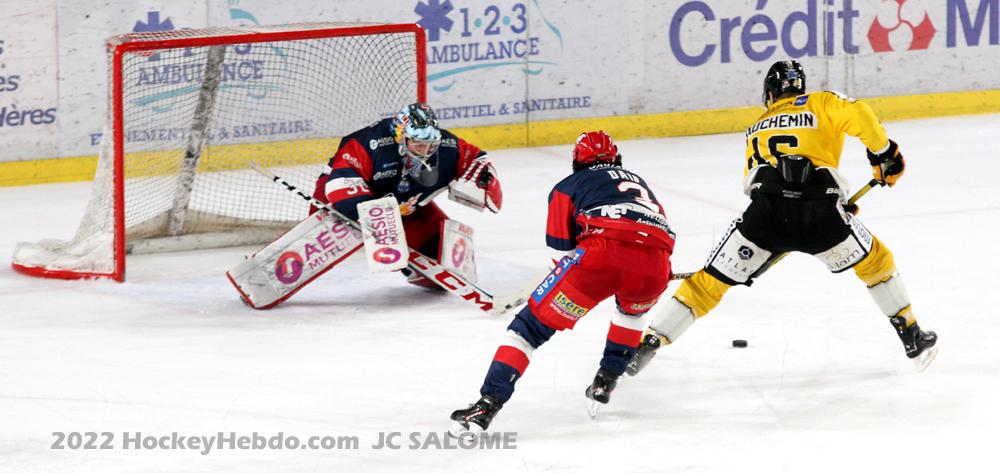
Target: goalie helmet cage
x,y
190,110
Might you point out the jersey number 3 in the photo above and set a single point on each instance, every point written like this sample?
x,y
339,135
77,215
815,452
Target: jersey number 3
x,y
643,198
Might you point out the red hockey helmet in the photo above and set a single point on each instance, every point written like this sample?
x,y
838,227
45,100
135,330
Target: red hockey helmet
x,y
594,147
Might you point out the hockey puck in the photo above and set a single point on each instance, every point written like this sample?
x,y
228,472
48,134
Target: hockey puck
x,y
740,343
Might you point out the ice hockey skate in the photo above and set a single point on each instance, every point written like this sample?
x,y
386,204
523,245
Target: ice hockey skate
x,y
599,392
920,346
647,350
476,418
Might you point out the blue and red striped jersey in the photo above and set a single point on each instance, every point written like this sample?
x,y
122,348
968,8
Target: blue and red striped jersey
x,y
369,164
608,200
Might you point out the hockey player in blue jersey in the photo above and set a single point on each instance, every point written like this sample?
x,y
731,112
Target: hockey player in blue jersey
x,y
411,157
618,244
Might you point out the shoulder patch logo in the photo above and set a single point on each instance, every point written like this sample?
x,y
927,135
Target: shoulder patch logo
x,y
801,100
375,144
352,160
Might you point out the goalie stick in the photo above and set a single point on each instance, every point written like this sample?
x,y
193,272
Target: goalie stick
x,y
419,263
854,198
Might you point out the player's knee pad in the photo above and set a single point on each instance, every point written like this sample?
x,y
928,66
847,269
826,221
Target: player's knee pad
x,y
736,259
891,296
634,321
701,292
849,252
673,320
878,266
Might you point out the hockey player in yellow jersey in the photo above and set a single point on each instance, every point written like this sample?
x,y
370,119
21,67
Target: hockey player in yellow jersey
x,y
799,203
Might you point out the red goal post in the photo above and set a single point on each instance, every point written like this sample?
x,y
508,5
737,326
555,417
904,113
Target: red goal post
x,y
189,110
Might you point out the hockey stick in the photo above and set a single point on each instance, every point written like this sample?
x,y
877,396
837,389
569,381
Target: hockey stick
x,y
854,198
419,263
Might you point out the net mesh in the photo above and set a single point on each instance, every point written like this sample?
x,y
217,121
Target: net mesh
x,y
195,117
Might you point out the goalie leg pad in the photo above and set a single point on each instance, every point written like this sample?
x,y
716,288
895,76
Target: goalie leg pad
x,y
736,259
458,249
308,250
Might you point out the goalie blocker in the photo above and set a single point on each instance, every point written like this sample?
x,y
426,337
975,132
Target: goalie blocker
x,y
385,240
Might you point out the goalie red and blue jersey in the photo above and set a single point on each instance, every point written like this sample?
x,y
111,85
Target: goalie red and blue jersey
x,y
609,200
369,164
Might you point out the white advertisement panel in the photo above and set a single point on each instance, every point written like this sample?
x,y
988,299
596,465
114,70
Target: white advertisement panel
x,y
488,62
29,109
83,80
713,54
510,61
921,46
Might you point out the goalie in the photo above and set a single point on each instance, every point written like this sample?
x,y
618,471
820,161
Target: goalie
x,y
411,158
383,177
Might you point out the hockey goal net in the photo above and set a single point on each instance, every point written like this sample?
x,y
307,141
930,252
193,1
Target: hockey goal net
x,y
189,110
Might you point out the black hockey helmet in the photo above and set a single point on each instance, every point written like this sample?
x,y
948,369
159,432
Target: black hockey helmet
x,y
782,77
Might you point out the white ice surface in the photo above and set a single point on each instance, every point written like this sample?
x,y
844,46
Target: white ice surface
x,y
824,385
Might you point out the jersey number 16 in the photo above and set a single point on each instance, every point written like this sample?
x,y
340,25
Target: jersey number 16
x,y
772,146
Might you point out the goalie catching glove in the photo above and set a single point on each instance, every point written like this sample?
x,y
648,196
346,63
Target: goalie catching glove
x,y
478,187
887,166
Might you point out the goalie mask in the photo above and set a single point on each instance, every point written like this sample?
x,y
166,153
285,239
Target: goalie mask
x,y
416,130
